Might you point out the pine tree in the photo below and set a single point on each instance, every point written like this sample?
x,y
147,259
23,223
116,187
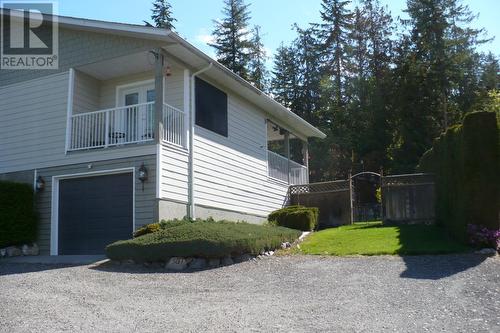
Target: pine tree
x,y
258,73
333,34
285,80
232,41
162,15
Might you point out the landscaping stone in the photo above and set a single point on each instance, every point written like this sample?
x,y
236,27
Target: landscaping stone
x,y
30,250
13,251
177,264
286,245
198,263
214,262
227,260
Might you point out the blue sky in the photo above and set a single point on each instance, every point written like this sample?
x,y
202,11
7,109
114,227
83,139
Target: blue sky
x,y
195,17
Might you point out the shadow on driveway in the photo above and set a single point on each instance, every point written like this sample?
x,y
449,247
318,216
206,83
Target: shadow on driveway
x,y
435,267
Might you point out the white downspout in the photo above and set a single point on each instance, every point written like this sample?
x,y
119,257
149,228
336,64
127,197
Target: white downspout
x,y
192,110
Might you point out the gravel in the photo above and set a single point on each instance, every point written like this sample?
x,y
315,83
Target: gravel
x,y
457,293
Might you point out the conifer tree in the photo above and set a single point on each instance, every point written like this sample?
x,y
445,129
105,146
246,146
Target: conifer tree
x,y
162,15
258,73
232,37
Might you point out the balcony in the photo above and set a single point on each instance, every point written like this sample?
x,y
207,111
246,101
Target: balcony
x,y
130,124
281,168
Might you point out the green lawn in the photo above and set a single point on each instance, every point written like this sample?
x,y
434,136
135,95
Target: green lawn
x,y
372,238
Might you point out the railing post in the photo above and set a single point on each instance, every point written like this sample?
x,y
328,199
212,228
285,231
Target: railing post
x,y
287,152
106,129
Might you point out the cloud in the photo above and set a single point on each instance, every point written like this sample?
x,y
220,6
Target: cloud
x,y
204,36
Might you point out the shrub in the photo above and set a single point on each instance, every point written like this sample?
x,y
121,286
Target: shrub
x,y
201,239
147,229
481,236
18,222
296,217
465,161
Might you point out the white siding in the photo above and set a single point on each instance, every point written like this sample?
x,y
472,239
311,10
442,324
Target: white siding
x,y
86,93
230,173
33,127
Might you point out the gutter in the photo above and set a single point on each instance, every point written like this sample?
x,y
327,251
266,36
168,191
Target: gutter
x,y
191,197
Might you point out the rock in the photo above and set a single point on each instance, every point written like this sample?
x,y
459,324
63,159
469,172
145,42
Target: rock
x,y
198,263
227,260
214,262
487,251
243,257
262,252
13,251
30,250
3,252
286,245
177,264
269,253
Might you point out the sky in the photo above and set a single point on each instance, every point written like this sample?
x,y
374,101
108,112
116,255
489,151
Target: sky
x,y
195,17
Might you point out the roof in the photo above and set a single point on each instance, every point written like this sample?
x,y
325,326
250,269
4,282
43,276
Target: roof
x,y
179,47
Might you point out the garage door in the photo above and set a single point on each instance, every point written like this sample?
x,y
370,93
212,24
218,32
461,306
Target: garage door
x,y
94,212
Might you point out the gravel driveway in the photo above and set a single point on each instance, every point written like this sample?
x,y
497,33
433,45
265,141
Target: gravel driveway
x,y
457,293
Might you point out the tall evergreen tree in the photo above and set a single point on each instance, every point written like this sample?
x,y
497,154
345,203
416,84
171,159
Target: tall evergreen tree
x,y
232,37
440,50
285,79
162,15
333,34
258,73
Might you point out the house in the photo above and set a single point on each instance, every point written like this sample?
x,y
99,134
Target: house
x,y
108,153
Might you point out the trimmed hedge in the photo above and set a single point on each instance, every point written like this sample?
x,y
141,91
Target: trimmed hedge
x,y
296,217
465,161
201,239
18,222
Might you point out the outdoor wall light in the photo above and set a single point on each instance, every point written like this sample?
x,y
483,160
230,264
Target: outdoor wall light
x,y
39,184
143,175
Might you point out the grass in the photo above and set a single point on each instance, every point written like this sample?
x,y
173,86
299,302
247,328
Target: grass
x,y
206,239
373,238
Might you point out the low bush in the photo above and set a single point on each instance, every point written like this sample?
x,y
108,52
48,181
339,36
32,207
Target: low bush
x,y
295,217
18,222
204,239
147,229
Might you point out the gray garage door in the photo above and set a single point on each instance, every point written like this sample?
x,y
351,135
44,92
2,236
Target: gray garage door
x,y
93,212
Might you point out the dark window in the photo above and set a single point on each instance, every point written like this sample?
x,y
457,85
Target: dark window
x,y
211,107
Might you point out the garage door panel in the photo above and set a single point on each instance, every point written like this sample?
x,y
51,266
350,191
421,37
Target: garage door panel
x,y
94,212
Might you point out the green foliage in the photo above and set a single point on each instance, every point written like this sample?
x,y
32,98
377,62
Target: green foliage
x,y
296,217
231,37
465,161
18,222
147,229
207,239
373,238
162,15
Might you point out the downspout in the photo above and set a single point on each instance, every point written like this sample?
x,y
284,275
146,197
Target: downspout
x,y
192,110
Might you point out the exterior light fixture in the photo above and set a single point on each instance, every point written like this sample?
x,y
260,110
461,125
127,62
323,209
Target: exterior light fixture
x,y
168,71
39,184
143,175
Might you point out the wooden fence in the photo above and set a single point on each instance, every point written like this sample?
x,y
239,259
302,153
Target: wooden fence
x,y
405,199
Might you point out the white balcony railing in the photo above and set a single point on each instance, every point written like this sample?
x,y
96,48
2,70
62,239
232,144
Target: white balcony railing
x,y
278,169
124,125
174,126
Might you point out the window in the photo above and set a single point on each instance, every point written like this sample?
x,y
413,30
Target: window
x,y
211,107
